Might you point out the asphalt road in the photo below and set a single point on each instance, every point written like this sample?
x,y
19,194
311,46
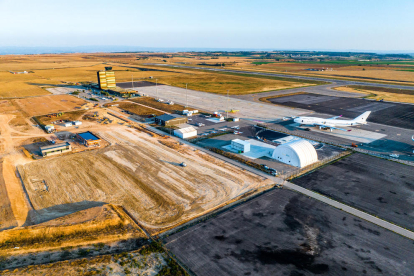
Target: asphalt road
x,y
337,82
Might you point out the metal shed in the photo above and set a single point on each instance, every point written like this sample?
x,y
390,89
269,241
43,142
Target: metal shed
x,y
170,120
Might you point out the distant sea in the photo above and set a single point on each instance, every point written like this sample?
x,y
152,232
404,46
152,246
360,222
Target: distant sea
x,y
107,49
120,49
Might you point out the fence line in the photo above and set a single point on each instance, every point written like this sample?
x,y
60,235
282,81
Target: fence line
x,y
409,163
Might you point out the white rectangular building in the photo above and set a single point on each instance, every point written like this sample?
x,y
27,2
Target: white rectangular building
x,y
240,145
77,123
67,124
186,132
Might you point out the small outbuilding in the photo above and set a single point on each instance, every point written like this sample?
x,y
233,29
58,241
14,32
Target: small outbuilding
x,y
186,132
240,146
299,153
77,123
88,139
67,124
170,120
55,149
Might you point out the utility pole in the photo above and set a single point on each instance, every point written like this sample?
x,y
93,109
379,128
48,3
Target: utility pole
x,y
132,81
186,96
227,104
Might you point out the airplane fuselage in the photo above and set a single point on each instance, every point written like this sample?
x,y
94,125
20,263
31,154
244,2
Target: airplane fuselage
x,y
321,121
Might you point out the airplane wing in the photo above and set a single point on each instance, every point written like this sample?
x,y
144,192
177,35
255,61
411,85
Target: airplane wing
x,y
333,118
332,127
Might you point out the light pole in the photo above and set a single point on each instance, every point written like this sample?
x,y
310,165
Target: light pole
x,y
227,104
186,96
132,81
156,87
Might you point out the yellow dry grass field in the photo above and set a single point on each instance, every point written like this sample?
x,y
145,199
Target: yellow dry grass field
x,y
97,230
148,101
19,122
197,60
220,83
378,74
143,176
52,70
103,223
49,104
137,109
16,86
378,95
139,262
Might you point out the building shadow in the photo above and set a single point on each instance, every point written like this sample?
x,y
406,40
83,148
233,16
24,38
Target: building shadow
x,y
57,211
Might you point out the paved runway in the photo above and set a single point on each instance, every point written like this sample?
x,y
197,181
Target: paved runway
x,y
249,110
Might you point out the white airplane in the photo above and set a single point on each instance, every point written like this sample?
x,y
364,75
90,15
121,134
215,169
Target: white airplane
x,y
331,123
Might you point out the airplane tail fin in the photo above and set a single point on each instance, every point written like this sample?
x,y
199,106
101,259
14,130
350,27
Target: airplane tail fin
x,y
362,118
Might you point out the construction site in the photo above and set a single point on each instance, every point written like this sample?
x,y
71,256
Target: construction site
x,y
141,173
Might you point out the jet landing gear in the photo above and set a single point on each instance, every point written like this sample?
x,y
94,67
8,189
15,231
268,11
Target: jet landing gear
x,y
325,128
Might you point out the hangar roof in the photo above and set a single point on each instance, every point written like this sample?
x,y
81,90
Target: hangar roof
x,y
303,150
186,130
167,117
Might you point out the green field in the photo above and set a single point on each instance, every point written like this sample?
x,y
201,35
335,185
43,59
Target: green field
x,y
356,62
262,62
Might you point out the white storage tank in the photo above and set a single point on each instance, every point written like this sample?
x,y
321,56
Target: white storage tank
x,y
299,153
186,132
240,145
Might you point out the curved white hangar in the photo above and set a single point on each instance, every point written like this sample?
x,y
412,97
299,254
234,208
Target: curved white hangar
x,y
298,153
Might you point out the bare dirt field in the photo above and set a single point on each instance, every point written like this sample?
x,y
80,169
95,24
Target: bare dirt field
x,y
7,219
67,116
141,174
20,121
49,104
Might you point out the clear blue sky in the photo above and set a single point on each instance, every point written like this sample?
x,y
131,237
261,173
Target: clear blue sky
x,y
266,24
